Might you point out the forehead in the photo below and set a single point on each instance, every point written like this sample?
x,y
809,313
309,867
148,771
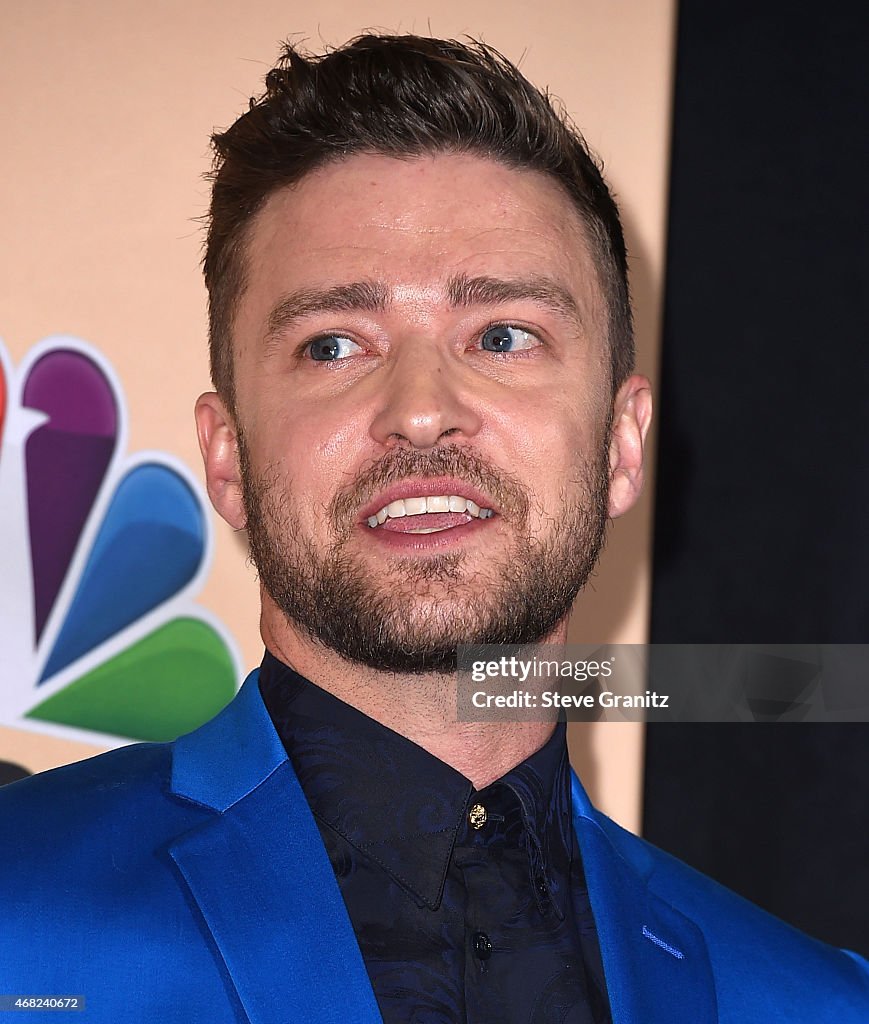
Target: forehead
x,y
414,224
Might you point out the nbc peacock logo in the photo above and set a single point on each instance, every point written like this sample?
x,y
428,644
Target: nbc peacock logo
x,y
103,553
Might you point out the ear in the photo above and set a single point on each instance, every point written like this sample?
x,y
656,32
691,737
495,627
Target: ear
x,y
632,414
218,443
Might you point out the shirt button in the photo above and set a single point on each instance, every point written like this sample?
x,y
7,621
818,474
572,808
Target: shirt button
x,y
477,816
482,946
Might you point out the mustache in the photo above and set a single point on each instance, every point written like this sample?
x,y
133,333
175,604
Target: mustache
x,y
450,460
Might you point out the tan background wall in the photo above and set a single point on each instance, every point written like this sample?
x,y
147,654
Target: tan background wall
x,y
106,110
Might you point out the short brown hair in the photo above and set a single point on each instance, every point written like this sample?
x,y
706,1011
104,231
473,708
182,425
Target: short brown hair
x,y
399,96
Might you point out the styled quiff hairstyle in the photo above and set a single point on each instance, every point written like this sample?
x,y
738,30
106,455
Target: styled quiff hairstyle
x,y
400,96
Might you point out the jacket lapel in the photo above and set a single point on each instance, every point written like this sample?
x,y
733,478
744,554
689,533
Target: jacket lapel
x,y
261,877
655,959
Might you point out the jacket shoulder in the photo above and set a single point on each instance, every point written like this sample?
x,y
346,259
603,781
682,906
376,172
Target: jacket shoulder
x,y
131,772
756,958
90,902
71,818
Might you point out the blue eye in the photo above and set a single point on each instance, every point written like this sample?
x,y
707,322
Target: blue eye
x,y
503,338
332,347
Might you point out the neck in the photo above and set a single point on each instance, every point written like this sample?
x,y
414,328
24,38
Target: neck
x,y
419,707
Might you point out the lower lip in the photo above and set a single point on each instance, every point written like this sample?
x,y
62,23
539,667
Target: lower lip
x,y
400,541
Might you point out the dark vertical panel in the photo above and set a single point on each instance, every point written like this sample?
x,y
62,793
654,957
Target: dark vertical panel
x,y
763,465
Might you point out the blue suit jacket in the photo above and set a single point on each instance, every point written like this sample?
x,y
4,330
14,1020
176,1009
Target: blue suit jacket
x,y
188,882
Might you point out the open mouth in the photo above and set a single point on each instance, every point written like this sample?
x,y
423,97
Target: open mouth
x,y
422,514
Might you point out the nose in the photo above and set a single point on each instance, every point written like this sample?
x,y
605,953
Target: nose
x,y
423,401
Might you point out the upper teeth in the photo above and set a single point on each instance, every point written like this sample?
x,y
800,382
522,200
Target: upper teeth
x,y
432,503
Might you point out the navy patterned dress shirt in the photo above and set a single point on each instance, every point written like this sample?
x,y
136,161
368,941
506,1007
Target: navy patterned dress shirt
x,y
468,905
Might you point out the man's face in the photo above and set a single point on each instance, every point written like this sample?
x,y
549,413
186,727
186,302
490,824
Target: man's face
x,y
424,405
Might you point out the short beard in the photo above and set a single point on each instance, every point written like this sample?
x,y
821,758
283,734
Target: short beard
x,y
410,622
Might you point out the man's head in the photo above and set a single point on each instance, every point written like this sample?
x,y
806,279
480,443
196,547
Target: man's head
x,y
400,96
421,347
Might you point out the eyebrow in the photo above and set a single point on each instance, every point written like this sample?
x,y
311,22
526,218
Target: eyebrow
x,y
365,296
493,291
462,292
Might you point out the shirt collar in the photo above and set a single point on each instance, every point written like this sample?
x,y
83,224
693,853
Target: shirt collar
x,y
401,805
